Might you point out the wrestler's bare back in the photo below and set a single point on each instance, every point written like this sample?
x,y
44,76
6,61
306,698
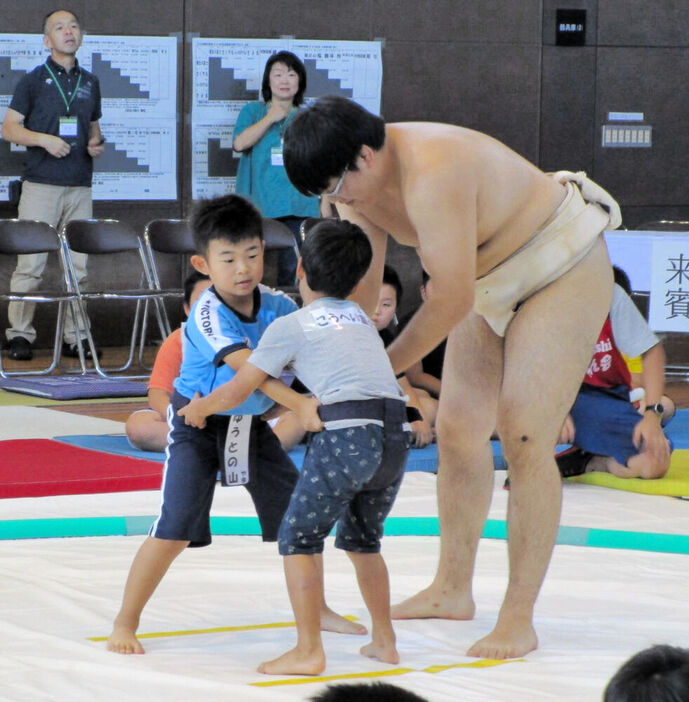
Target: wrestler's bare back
x,y
428,171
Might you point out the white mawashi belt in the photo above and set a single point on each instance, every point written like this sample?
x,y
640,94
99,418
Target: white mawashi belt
x,y
235,468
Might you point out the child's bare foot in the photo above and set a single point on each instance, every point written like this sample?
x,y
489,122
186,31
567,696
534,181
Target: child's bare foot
x,y
295,662
332,621
435,602
123,640
382,651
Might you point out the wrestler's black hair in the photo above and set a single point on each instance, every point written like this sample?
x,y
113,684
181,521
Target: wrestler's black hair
x,y
656,674
335,256
229,217
59,9
390,277
190,283
291,61
325,139
364,692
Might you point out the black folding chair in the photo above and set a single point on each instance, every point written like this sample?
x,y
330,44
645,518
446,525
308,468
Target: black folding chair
x,y
22,236
111,237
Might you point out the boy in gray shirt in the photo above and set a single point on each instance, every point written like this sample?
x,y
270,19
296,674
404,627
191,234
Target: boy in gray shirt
x,y
353,469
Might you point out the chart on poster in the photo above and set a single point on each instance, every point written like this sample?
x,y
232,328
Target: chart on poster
x,y
227,74
138,80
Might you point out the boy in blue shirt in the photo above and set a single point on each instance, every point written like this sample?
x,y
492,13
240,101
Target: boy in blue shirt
x,y
225,324
353,469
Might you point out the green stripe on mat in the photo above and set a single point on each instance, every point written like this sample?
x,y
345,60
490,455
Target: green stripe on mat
x,y
394,526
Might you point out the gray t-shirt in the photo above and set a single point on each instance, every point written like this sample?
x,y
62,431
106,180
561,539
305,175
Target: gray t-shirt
x,y
633,336
334,350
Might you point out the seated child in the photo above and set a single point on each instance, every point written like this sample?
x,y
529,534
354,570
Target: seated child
x,y
353,469
147,429
225,324
385,318
604,426
427,373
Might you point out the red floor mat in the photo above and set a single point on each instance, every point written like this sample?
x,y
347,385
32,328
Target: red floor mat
x,y
39,467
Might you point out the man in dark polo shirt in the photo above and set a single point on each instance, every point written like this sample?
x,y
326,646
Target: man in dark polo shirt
x,y
54,113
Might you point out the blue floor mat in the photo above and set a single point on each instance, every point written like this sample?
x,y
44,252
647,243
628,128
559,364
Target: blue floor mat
x,y
425,459
678,429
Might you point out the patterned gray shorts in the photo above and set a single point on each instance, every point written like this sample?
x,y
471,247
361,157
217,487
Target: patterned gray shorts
x,y
351,475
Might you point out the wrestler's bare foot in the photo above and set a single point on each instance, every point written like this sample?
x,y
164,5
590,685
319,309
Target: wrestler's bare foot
x,y
435,602
295,662
511,638
384,651
332,621
123,640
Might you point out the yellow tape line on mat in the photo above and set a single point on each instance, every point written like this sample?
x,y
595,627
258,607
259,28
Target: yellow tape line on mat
x,y
217,630
483,663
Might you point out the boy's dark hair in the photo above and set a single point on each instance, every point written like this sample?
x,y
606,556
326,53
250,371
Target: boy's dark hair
x,y
325,138
364,692
59,9
190,283
622,279
291,61
390,277
228,217
335,256
424,277
656,674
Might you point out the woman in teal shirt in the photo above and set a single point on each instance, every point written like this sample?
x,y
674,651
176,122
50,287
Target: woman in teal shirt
x,y
258,136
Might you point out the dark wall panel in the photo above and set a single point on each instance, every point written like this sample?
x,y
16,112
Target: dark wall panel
x,y
489,21
475,91
567,103
327,19
643,23
652,81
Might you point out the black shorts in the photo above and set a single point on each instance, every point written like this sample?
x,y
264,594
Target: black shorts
x,y
191,472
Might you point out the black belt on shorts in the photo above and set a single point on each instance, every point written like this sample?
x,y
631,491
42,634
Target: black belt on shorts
x,y
374,409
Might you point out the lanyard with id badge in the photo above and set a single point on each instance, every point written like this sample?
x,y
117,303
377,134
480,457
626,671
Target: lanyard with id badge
x,y
276,151
69,127
276,155
235,467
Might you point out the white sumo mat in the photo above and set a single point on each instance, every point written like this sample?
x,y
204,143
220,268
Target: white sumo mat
x,y
18,422
598,606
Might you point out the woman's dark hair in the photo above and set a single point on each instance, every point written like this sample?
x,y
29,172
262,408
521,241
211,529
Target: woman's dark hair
x,y
325,138
335,256
291,61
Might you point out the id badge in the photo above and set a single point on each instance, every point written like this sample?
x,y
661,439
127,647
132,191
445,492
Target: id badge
x,y
235,470
68,127
276,156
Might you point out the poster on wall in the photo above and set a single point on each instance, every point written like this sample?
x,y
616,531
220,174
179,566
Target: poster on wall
x,y
227,73
668,308
138,80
